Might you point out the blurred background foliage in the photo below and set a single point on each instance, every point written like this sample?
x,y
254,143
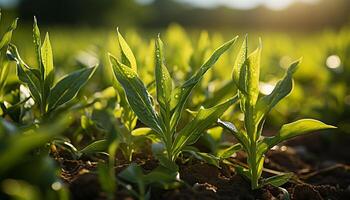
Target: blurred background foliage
x,y
83,31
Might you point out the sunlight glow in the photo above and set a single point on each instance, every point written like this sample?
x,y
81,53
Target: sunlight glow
x,y
266,88
244,4
333,62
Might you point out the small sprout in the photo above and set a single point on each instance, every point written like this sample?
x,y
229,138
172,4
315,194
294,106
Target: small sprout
x,y
171,101
246,78
40,81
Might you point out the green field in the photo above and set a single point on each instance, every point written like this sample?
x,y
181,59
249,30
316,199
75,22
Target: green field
x,y
164,105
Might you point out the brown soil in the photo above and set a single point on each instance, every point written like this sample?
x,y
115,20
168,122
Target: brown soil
x,y
317,178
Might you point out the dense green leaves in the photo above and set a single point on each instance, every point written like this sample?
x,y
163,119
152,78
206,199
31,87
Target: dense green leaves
x,y
171,102
68,87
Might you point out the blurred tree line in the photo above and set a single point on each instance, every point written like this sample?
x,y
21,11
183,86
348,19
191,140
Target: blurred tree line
x,y
159,13
82,12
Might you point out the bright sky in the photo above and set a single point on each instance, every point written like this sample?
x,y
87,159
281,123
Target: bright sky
x,y
245,4
241,4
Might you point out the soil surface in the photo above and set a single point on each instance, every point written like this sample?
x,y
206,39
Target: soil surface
x,y
319,175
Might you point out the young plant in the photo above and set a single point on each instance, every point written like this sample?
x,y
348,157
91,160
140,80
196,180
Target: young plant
x,y
40,81
4,62
171,101
246,78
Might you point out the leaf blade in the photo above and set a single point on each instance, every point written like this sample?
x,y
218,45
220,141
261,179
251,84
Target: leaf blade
x,y
163,79
291,130
281,90
180,95
137,95
128,57
47,60
204,119
69,86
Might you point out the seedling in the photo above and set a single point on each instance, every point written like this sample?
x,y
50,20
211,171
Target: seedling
x,y
171,101
246,78
40,81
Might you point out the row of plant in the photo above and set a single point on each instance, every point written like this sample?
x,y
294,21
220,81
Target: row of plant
x,y
41,116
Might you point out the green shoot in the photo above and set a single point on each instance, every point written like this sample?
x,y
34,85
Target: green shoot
x,y
40,81
246,78
171,101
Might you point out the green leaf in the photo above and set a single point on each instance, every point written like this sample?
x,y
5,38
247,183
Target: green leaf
x,y
37,45
239,135
31,77
137,95
239,68
163,79
291,130
6,38
4,67
95,147
180,95
228,152
141,131
106,178
159,153
128,57
162,176
206,157
47,61
146,132
133,174
242,171
68,87
24,142
277,180
282,89
203,120
253,72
